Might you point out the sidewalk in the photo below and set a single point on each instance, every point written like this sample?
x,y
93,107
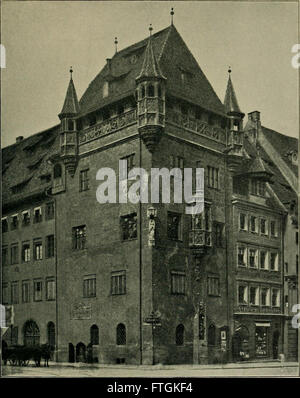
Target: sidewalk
x,y
236,365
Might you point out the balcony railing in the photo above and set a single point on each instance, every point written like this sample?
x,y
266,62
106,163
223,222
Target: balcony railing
x,y
108,126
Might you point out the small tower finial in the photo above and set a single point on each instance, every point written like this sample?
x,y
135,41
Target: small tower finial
x,y
150,29
71,71
229,69
172,13
116,44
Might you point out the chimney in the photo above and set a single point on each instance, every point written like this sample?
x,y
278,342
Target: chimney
x,y
19,139
254,116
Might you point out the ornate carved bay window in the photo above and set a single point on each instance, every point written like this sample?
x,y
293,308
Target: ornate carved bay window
x,y
201,229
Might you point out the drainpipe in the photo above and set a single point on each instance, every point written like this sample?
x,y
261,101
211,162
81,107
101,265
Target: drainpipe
x,y
49,195
140,265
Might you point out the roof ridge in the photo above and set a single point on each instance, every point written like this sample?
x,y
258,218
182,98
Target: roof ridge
x,y
281,134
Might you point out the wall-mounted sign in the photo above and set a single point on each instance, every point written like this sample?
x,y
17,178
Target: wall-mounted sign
x,y
81,311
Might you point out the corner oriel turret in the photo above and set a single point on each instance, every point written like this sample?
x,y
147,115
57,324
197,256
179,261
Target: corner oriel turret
x,y
150,99
68,135
235,136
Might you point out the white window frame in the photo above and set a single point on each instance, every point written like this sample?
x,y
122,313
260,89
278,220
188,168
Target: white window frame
x,y
255,257
246,222
268,303
276,267
266,233
246,293
245,255
256,295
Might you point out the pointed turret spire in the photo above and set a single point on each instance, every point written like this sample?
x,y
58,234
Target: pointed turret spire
x,y
230,101
71,105
150,68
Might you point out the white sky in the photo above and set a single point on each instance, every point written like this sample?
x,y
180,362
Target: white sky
x,y
43,39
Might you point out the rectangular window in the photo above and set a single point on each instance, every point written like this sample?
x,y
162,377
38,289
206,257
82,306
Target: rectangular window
x,y
37,217
37,291
213,285
4,255
50,289
130,163
275,298
89,286
263,260
118,282
253,258
273,261
128,226
243,294
219,234
14,222
79,237
212,177
254,296
25,292
263,226
49,211
243,222
5,294
177,282
15,292
84,180
38,250
50,246
25,252
25,218
265,296
242,256
261,188
253,224
14,254
273,229
174,226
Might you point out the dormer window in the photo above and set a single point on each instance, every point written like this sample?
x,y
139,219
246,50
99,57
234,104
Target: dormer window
x,y
105,90
236,125
150,90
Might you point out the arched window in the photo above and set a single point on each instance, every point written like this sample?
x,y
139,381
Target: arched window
x,y
150,90
80,352
211,335
57,171
159,90
31,333
51,334
179,335
143,92
70,125
121,334
94,335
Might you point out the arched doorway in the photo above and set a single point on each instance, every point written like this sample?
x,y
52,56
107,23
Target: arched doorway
x,y
240,344
80,352
71,353
179,335
31,333
94,331
276,335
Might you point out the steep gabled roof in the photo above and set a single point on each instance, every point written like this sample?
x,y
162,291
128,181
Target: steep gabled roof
x,y
173,58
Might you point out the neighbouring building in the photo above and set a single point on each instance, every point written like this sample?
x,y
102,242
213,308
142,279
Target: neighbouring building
x,y
146,283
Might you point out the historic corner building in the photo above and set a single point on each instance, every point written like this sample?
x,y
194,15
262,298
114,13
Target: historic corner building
x,y
147,283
